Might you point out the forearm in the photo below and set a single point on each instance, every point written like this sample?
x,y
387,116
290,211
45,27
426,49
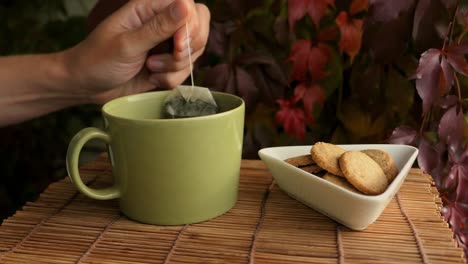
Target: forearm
x,y
34,85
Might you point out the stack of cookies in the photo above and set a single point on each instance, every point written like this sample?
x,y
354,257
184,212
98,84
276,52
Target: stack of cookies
x,y
367,171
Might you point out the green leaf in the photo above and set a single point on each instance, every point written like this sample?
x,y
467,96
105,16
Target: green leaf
x,y
356,121
365,82
463,3
334,69
261,21
465,133
339,136
399,93
431,136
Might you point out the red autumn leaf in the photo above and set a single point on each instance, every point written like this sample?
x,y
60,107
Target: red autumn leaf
x,y
300,57
428,158
327,34
462,17
461,172
222,80
434,77
455,214
447,101
456,153
234,80
454,193
456,57
451,126
439,173
428,58
358,6
385,10
311,96
308,58
246,88
387,34
219,36
403,135
319,56
451,180
315,8
269,77
425,35
445,77
449,4
268,64
291,117
464,155
351,34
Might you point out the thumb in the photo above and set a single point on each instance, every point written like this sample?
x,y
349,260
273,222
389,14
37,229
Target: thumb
x,y
161,27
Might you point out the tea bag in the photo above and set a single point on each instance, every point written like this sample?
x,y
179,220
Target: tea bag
x,y
189,101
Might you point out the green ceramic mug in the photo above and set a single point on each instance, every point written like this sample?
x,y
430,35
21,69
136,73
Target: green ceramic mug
x,y
167,171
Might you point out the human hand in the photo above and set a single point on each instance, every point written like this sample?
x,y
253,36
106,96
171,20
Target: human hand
x,y
111,62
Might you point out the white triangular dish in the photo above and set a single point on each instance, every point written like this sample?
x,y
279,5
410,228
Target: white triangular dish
x,y
356,211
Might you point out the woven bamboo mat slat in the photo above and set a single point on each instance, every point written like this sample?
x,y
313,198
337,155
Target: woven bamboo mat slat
x,y
265,226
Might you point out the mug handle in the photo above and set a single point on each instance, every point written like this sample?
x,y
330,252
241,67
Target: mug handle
x,y
73,154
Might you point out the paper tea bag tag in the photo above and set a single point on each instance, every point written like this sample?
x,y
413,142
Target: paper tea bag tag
x,y
193,93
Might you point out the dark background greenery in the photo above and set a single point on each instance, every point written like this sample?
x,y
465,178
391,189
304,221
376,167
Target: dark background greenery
x,y
32,153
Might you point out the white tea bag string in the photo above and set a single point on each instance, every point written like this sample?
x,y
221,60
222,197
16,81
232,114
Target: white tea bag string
x,y
189,50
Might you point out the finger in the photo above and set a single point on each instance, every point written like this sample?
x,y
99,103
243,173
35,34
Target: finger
x,y
199,36
166,63
136,13
180,37
171,80
161,27
148,9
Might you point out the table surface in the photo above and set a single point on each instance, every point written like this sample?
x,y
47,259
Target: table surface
x,y
265,226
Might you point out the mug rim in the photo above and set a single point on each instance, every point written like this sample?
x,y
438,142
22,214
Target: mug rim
x,y
135,97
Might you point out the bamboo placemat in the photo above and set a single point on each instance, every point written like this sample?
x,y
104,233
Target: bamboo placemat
x,y
265,226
